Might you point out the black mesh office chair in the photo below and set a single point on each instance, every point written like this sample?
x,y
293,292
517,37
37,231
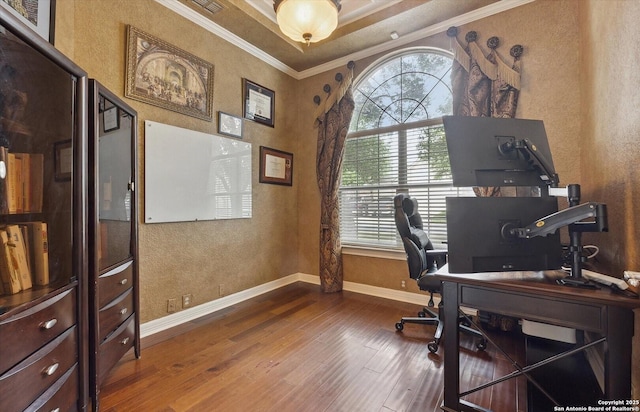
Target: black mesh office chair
x,y
423,261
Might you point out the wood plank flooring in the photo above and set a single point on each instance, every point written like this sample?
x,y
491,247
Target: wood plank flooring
x,y
297,349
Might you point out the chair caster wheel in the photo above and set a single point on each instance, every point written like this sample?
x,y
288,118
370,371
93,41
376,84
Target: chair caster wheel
x,y
399,326
482,345
433,347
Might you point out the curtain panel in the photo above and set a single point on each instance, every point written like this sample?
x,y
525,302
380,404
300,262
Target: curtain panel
x,y
332,120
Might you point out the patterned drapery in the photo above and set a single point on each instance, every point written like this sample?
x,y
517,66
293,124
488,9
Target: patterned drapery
x,y
484,85
332,120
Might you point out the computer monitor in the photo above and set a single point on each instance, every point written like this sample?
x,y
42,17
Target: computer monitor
x,y
486,151
480,238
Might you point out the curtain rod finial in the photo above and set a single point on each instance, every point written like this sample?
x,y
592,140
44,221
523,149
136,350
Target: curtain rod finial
x,y
516,51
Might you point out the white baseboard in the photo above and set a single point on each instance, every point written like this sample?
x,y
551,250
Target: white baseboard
x,y
178,318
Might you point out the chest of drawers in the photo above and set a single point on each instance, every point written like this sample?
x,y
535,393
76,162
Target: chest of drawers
x,y
39,356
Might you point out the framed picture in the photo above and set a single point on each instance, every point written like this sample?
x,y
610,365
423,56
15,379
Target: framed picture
x,y
62,160
229,125
276,166
166,76
111,119
39,15
259,103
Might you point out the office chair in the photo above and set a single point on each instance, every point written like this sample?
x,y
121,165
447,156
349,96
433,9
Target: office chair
x,y
423,261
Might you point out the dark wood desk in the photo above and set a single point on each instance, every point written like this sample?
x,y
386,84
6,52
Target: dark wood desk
x,y
536,296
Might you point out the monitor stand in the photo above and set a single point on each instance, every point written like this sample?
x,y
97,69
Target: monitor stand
x,y
575,279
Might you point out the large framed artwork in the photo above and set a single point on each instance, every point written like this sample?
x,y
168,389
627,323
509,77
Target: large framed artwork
x,y
39,15
166,76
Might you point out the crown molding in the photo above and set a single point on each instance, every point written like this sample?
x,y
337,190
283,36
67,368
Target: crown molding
x,y
197,18
200,20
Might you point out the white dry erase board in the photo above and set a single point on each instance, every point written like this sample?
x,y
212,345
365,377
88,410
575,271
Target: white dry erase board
x,y
193,176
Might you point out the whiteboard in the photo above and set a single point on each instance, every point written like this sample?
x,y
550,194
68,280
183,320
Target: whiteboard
x,y
191,176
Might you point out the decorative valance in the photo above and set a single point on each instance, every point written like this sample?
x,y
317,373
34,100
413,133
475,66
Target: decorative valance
x,y
336,96
492,64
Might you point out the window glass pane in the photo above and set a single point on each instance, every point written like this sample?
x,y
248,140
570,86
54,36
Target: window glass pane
x,y
403,90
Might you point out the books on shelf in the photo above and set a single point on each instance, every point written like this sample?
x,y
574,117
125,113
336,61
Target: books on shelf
x,y
17,249
21,187
37,243
8,272
24,256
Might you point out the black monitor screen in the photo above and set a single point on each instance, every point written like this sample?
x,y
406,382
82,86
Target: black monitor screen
x,y
478,238
482,153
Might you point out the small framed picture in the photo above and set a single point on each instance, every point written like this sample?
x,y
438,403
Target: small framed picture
x,y
229,125
110,119
276,166
259,103
62,159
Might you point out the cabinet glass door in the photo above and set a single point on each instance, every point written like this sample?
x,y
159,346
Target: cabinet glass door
x,y
116,206
39,134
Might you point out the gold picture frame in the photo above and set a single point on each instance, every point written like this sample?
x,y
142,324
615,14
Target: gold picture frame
x,y
163,75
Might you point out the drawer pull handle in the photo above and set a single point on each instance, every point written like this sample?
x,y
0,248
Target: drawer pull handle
x,y
51,369
123,311
48,324
123,281
124,341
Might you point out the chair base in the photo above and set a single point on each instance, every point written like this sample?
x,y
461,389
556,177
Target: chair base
x,y
434,319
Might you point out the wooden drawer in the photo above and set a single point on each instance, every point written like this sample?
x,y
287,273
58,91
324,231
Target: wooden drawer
x,y
114,283
25,382
114,348
26,332
115,313
62,396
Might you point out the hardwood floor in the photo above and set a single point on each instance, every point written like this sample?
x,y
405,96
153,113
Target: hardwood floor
x,y
297,349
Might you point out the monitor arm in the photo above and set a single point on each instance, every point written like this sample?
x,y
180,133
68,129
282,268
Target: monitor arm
x,y
573,218
537,159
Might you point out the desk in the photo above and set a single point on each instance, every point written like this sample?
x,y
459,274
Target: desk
x,y
536,296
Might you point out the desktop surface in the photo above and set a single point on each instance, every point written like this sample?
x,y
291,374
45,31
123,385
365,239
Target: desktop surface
x,y
540,282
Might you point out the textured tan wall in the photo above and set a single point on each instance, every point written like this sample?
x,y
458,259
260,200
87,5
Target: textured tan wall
x,y
195,257
610,132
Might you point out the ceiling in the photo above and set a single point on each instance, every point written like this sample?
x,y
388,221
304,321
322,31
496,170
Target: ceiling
x,y
364,27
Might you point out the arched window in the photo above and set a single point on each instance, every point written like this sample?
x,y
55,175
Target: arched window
x,y
396,144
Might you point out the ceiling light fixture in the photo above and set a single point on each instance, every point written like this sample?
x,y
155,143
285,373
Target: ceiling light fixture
x,y
307,21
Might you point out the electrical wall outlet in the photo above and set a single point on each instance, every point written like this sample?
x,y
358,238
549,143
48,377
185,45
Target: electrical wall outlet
x,y
171,305
186,300
403,284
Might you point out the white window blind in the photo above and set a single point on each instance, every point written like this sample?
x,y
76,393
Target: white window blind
x,y
378,167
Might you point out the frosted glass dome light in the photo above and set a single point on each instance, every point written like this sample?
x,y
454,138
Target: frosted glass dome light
x,y
307,21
